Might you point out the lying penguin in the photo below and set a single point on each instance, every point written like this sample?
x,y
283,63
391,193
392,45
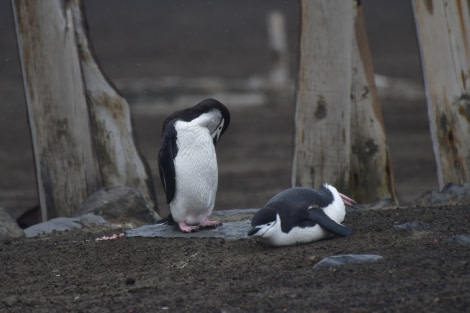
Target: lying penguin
x,y
188,163
301,215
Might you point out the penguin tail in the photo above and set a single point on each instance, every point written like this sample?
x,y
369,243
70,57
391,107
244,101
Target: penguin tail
x,y
166,221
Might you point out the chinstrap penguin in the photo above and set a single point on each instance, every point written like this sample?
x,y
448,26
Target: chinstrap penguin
x,y
188,163
301,215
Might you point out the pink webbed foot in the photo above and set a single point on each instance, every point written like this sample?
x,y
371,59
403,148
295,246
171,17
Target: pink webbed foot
x,y
207,223
185,228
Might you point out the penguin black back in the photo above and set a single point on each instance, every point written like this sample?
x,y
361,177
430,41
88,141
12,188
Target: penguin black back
x,y
167,153
298,197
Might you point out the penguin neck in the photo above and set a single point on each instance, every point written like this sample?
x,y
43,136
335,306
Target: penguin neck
x,y
335,210
192,135
209,120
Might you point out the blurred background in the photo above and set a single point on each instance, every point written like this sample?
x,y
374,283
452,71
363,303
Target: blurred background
x,y
166,54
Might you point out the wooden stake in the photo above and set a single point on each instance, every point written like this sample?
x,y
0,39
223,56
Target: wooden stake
x,y
443,33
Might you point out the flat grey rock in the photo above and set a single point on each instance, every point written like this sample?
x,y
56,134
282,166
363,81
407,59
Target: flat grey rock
x,y
228,230
450,194
232,212
65,223
415,225
336,260
465,239
233,215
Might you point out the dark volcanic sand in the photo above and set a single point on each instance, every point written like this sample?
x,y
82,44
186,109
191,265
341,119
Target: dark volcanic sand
x,y
421,271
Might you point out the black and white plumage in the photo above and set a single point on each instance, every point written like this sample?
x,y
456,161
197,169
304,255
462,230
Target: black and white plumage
x,y
301,215
188,163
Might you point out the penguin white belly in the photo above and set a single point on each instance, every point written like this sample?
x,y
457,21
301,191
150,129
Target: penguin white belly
x,y
196,175
298,235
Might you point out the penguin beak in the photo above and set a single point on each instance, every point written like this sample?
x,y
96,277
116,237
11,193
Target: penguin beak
x,y
253,231
348,201
218,132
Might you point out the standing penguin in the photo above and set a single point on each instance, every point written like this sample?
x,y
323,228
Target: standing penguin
x,y
188,163
301,215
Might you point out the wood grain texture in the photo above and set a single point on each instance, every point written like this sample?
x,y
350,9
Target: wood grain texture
x,y
81,127
371,177
120,162
57,107
443,29
340,136
323,105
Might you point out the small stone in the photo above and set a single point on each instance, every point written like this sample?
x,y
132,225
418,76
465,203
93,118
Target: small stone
x,y
342,259
312,258
118,204
415,225
465,239
450,194
64,224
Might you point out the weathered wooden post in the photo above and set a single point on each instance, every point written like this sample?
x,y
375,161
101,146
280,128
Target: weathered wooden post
x,y
323,104
66,168
118,157
340,136
371,176
443,33
82,137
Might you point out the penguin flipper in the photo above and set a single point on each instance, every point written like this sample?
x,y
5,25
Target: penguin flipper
x,y
320,217
166,165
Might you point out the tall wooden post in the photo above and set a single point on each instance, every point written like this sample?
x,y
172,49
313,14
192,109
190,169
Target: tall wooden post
x,y
118,156
444,33
340,137
81,128
371,176
323,104
66,167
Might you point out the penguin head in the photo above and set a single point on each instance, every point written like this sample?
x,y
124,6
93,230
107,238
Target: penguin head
x,y
336,210
208,113
265,223
344,199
